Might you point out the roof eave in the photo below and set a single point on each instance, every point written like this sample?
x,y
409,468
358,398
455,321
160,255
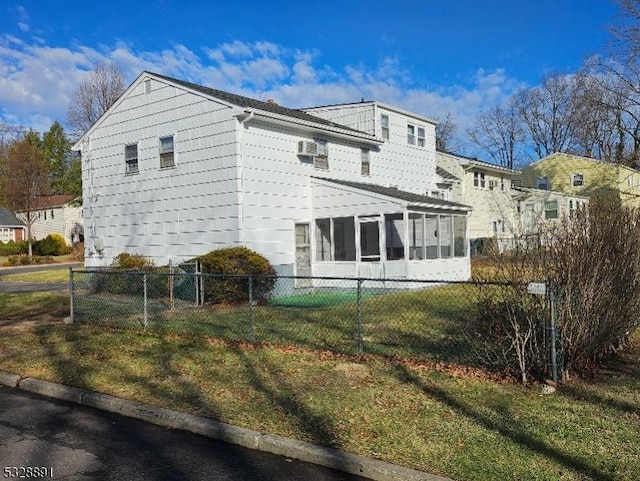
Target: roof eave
x,y
348,134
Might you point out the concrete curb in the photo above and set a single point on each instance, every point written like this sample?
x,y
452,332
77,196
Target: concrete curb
x,y
290,448
11,380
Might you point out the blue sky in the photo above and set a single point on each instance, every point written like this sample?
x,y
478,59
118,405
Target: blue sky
x,y
429,56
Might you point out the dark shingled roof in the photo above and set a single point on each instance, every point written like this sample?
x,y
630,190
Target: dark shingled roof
x,y
398,194
445,174
8,218
250,103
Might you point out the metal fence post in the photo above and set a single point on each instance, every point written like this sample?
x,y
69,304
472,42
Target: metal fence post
x,y
252,332
552,331
71,295
196,282
359,319
171,299
146,318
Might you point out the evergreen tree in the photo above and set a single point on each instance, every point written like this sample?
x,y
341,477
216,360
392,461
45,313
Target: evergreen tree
x,y
56,148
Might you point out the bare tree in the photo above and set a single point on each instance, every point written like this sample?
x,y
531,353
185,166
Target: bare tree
x,y
446,140
613,96
24,180
499,132
548,113
95,94
626,30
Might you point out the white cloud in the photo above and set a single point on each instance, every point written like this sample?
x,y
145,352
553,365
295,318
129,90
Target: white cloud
x,y
36,80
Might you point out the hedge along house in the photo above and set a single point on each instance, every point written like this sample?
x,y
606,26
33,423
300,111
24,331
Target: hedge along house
x,y
174,170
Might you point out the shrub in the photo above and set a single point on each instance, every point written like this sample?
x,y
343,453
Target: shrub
x,y
52,245
132,262
593,262
229,263
123,278
12,248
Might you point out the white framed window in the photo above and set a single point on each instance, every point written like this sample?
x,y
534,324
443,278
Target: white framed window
x,y
479,180
321,159
384,125
577,180
421,137
503,187
542,183
411,134
365,162
6,235
131,158
167,152
551,209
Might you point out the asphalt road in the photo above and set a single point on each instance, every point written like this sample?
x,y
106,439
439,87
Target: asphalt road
x,y
34,286
81,444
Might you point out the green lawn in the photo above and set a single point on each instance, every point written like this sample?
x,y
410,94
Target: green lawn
x,y
429,323
49,275
430,415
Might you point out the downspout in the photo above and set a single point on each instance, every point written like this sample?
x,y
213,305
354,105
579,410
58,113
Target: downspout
x,y
240,184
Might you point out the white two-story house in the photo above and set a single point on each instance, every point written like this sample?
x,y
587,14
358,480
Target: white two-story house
x,y
174,170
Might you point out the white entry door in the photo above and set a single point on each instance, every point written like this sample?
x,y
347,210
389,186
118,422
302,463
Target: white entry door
x,y
303,255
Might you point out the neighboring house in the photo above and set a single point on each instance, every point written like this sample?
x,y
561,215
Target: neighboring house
x,y
500,209
536,208
583,176
173,170
11,228
56,214
487,189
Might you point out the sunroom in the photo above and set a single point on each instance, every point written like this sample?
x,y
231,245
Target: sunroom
x,y
369,231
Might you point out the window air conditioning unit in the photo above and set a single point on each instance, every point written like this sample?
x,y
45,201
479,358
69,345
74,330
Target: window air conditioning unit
x,y
307,147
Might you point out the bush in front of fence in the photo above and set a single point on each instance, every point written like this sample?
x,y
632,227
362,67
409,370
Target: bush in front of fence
x,y
591,263
234,265
511,325
127,276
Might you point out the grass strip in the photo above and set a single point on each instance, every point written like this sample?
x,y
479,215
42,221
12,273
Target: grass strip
x,y
433,416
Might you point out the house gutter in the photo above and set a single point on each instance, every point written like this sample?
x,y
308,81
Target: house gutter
x,y
313,127
240,181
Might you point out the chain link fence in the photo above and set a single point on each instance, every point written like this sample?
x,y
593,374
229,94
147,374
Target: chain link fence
x,y
422,320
